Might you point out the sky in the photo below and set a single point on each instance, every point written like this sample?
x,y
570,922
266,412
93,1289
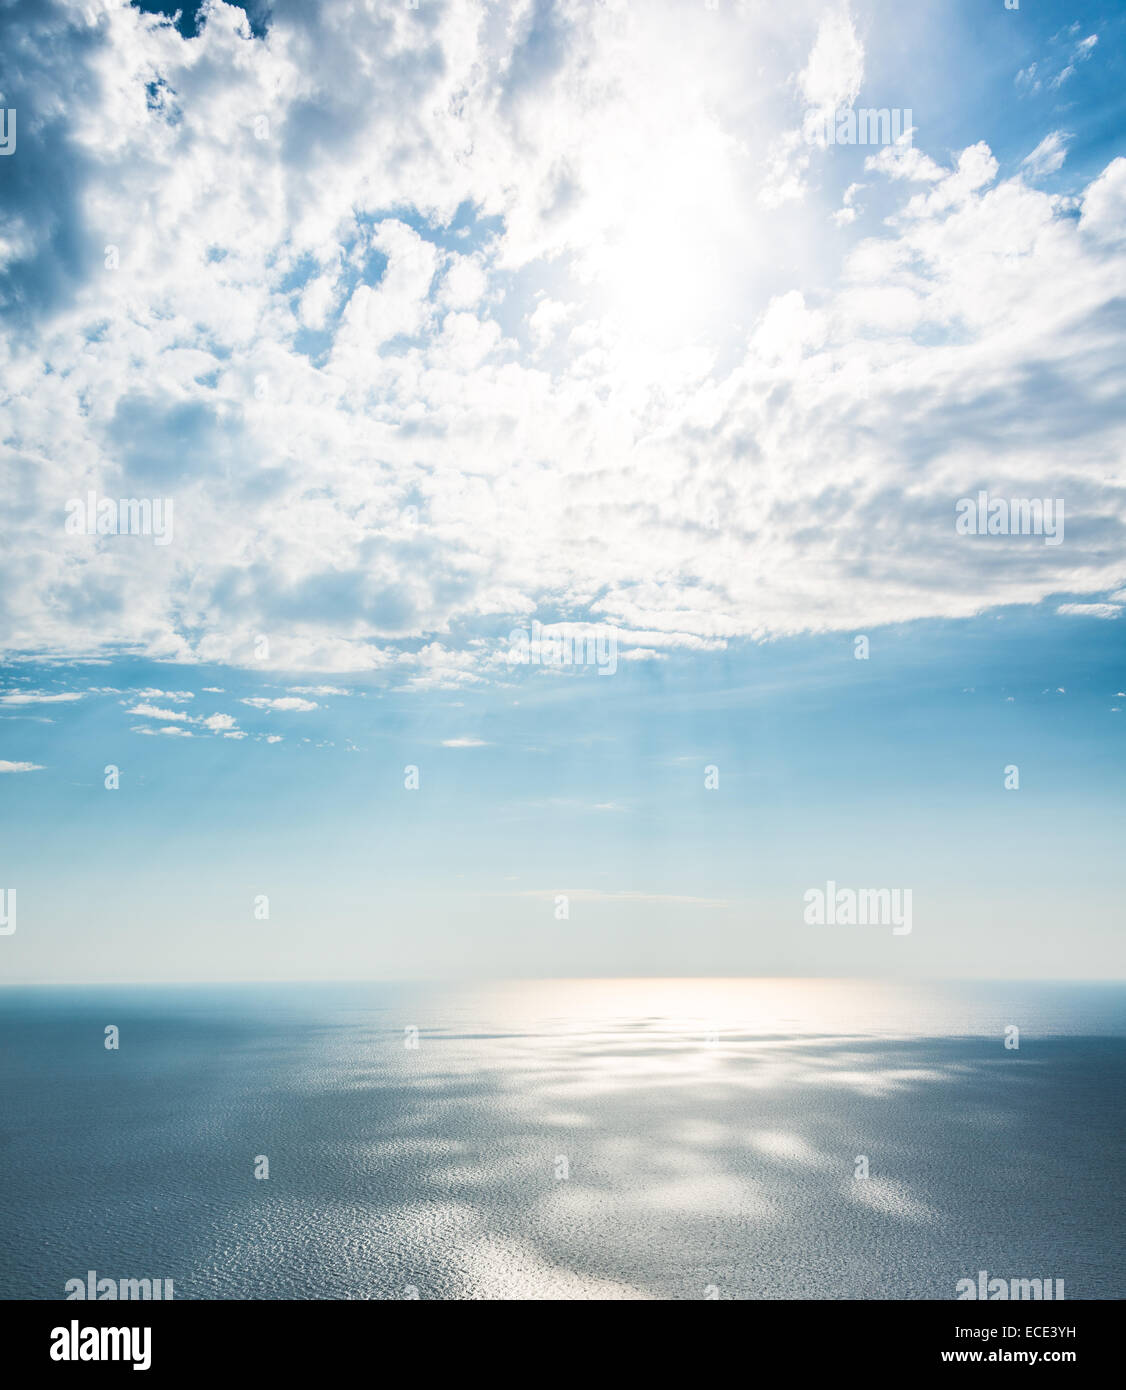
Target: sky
x,y
416,329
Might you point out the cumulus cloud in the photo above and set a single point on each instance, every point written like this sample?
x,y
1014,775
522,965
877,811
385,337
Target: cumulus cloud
x,y
831,78
848,211
218,723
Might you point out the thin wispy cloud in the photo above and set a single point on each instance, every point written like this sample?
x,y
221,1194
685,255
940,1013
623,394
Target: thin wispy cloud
x,y
152,712
1048,156
1090,610
288,703
31,697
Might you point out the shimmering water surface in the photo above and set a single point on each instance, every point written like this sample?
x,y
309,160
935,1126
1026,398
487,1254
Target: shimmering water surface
x,y
563,1139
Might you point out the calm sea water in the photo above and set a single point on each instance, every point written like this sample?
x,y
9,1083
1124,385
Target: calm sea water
x,y
567,1139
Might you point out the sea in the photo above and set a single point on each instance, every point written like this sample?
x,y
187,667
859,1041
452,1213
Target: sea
x,y
563,1139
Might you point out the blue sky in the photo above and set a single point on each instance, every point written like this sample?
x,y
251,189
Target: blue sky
x,y
887,772
433,324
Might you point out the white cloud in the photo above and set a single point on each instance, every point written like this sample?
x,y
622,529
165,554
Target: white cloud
x,y
546,319
6,766
1090,610
218,723
284,702
831,78
905,161
31,697
463,743
154,712
214,723
1048,156
1103,217
178,697
848,210
1081,52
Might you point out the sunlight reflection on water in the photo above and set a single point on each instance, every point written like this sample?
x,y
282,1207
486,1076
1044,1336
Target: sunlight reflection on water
x,y
558,1139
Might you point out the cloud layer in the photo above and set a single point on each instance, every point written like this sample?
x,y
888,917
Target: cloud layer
x,y
432,321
